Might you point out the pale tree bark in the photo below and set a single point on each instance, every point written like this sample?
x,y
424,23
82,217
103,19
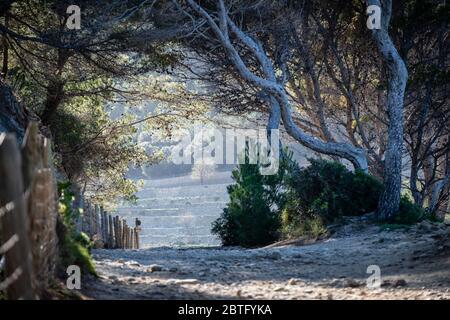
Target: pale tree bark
x,y
443,208
222,25
439,198
398,76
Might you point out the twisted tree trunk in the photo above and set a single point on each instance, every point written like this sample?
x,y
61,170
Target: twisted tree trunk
x,y
280,103
398,75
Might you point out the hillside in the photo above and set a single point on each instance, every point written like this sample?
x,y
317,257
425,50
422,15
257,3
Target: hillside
x,y
179,211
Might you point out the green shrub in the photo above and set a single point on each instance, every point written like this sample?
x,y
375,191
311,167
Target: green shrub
x,y
365,193
248,219
83,239
301,226
73,252
74,247
329,190
251,218
322,193
294,202
66,198
409,213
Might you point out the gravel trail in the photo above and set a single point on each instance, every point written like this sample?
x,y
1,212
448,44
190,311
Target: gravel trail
x,y
414,264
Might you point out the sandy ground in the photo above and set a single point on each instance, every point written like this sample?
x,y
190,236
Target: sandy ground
x,y
414,264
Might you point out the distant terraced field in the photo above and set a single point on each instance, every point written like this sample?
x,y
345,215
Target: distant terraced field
x,y
179,211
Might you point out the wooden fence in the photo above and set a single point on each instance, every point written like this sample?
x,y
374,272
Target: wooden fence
x,y
108,231
29,213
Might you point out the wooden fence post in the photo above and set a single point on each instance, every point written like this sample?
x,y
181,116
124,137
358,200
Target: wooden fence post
x,y
119,232
137,230
31,152
42,218
106,229
104,226
14,220
136,240
111,232
105,217
41,206
99,222
95,218
122,227
87,219
91,221
116,232
131,238
127,237
124,232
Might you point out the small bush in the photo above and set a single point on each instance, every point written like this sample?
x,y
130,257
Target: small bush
x,y
329,190
251,217
365,192
76,253
247,220
83,239
322,193
74,247
293,203
409,212
300,226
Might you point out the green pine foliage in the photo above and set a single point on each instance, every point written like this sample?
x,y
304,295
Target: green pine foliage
x,y
248,219
322,193
74,247
295,202
409,213
329,190
251,217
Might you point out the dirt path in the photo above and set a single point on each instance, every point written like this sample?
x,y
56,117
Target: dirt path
x,y
413,264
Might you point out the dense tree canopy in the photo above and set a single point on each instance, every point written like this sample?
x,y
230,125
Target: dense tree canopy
x,y
376,98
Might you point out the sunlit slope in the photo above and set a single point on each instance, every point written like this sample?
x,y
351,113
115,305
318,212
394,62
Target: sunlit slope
x,y
179,211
